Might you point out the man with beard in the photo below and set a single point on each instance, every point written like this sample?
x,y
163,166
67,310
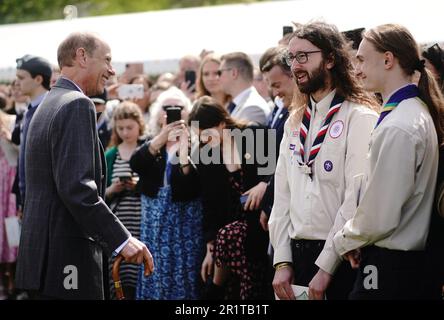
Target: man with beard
x,y
321,162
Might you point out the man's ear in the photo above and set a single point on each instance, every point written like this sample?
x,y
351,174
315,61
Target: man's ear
x,y
389,60
39,79
330,61
81,56
235,73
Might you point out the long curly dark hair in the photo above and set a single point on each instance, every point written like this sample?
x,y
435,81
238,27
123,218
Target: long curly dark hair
x,y
334,47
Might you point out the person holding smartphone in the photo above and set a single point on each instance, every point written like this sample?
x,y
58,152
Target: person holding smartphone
x,y
171,209
121,193
236,260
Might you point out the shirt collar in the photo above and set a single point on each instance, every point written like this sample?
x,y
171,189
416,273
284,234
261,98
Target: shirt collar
x,y
240,97
38,100
323,105
74,84
391,93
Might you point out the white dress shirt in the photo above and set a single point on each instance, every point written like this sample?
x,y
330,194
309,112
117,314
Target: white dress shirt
x,y
316,209
395,206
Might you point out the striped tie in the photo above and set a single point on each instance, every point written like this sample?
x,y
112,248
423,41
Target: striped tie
x,y
305,126
407,92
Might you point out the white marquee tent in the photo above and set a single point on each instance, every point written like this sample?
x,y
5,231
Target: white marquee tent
x,y
159,38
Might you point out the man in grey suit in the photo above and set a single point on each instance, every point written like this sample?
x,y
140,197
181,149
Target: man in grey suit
x,y
66,223
236,79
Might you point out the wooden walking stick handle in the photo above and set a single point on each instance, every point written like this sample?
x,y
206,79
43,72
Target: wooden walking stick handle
x,y
116,278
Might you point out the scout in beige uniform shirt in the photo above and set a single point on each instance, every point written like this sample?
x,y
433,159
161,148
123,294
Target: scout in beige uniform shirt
x,y
394,212
315,208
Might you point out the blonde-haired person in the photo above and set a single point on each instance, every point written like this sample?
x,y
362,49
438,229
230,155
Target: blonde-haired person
x,y
171,208
208,80
386,237
121,192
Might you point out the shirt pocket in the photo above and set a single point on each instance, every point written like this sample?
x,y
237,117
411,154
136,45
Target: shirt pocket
x,y
329,166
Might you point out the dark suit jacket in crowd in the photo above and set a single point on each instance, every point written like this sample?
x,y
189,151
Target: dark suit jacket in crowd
x,y
66,222
268,199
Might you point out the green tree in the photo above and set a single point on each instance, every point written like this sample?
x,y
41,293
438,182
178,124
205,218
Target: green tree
x,y
14,11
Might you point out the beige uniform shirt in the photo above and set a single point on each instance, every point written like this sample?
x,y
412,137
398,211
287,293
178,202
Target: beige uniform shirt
x,y
316,209
396,204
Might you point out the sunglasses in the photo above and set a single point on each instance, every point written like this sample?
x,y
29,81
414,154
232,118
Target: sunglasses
x,y
219,72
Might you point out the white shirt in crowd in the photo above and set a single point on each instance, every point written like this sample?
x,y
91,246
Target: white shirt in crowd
x,y
395,207
316,209
251,107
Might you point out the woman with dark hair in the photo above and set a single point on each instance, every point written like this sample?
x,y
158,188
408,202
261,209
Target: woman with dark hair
x,y
234,237
434,61
386,237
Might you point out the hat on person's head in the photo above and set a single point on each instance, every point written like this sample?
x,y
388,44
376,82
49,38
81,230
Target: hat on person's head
x,y
35,65
100,98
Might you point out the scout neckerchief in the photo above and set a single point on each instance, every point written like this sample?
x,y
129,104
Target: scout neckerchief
x,y
305,126
407,92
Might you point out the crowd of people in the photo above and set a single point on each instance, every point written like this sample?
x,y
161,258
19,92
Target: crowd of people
x,y
228,180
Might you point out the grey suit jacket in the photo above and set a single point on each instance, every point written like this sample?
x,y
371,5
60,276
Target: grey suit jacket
x,y
252,108
66,221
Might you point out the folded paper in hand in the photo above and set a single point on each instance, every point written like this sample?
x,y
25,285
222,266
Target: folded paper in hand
x,y
13,229
300,292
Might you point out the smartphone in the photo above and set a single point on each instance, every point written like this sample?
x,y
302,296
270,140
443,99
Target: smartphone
x,y
130,91
286,30
243,199
190,77
173,114
125,177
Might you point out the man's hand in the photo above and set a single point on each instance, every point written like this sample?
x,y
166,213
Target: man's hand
x,y
318,285
136,252
283,278
354,257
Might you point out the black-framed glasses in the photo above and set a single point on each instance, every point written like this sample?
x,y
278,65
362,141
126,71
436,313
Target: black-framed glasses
x,y
166,107
300,56
219,72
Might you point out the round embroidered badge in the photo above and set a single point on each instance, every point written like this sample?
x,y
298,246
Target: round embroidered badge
x,y
328,165
336,129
